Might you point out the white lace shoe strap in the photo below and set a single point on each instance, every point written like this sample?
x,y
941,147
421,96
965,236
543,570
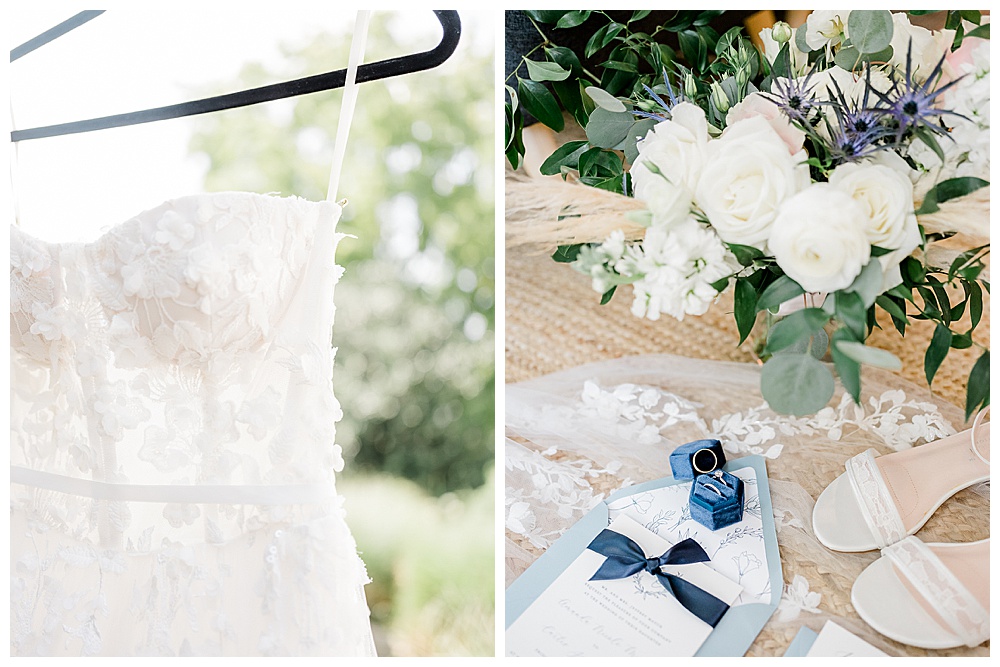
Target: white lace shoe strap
x,y
947,595
877,505
976,425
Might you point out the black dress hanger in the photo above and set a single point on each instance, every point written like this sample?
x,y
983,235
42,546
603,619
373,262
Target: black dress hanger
x,y
417,62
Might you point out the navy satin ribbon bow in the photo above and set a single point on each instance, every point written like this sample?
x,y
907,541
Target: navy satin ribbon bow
x,y
625,558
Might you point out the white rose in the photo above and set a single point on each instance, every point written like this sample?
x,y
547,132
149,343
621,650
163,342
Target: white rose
x,y
798,59
825,28
756,104
675,148
818,239
927,48
667,202
747,174
885,194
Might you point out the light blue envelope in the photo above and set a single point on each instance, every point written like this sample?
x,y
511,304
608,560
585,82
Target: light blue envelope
x,y
733,635
803,641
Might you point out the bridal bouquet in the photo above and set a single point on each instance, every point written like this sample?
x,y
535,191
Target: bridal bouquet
x,y
793,175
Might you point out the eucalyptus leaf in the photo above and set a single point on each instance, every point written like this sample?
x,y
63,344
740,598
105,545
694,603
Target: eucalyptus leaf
x,y
848,58
778,292
542,70
796,384
798,326
607,128
851,311
605,100
870,30
540,103
800,39
848,369
936,351
637,132
868,284
815,345
978,391
870,356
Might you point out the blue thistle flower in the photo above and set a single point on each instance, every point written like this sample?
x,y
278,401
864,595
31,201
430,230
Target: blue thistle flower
x,y
674,101
911,105
794,97
859,125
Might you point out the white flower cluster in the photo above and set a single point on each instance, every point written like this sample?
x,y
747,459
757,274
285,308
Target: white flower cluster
x,y
673,269
967,151
678,265
753,186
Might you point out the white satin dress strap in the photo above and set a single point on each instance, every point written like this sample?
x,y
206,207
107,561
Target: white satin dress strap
x,y
347,104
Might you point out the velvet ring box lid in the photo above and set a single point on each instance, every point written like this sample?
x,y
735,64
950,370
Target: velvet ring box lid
x,y
717,500
695,458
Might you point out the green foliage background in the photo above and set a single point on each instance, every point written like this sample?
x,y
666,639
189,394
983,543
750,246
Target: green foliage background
x,y
415,317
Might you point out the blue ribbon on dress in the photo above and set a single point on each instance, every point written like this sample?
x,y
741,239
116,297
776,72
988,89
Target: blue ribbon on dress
x,y
625,558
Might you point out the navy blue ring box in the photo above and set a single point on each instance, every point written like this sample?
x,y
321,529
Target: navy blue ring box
x,y
717,510
685,459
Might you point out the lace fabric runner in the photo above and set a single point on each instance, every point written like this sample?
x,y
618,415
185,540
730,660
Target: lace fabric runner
x,y
575,436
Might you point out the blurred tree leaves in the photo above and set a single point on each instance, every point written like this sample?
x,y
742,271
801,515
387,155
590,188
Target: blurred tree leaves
x,y
415,366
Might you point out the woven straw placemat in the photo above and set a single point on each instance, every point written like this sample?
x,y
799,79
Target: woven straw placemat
x,y
554,321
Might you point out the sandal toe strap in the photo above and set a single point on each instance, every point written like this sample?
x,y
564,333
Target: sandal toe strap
x,y
877,506
953,602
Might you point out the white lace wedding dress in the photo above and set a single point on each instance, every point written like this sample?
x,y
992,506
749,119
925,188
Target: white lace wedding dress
x,y
172,449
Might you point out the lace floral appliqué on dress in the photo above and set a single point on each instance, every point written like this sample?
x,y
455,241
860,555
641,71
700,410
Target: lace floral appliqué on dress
x,y
172,451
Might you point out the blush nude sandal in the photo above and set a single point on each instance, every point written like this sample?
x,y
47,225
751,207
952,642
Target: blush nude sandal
x,y
928,595
879,501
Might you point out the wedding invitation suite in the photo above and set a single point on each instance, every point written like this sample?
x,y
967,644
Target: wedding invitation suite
x,y
633,616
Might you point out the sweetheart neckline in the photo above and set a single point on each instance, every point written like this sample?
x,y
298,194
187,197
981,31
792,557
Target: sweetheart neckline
x,y
107,231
